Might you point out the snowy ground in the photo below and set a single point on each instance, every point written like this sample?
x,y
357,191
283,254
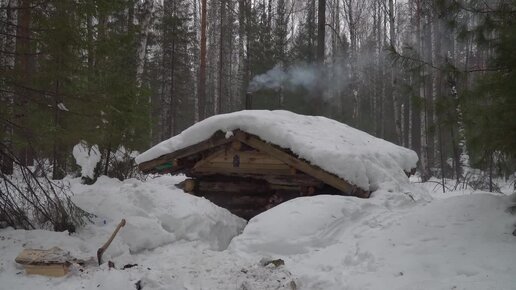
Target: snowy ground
x,y
394,240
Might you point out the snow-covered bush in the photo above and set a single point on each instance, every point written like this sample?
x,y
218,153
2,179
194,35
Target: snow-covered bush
x,y
122,165
95,161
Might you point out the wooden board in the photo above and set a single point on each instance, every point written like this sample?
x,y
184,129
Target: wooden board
x,y
54,255
248,162
52,270
53,262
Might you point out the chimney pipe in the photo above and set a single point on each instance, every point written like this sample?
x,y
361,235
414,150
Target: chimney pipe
x,y
248,101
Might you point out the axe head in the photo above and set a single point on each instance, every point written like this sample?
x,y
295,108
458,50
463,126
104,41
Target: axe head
x,y
100,251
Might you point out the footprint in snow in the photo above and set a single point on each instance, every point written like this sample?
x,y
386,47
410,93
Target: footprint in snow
x,y
467,273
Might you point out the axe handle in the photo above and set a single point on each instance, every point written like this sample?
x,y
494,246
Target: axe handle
x,y
106,245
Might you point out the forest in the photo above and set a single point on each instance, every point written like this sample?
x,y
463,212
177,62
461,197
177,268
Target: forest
x,y
435,76
257,144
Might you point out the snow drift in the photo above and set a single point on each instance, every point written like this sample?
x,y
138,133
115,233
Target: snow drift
x,y
157,213
338,242
400,239
351,154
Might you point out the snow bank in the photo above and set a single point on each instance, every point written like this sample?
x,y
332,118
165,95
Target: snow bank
x,y
157,213
399,239
335,242
356,156
306,223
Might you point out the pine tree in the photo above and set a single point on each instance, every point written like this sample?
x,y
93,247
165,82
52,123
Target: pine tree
x,y
490,106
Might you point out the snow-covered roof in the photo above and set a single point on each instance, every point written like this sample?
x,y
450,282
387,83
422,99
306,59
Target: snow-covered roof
x,y
355,156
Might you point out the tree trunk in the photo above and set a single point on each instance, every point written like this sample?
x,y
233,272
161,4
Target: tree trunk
x,y
201,94
321,23
108,156
425,174
145,26
196,60
311,30
6,98
241,53
430,82
379,86
395,102
58,164
23,78
218,102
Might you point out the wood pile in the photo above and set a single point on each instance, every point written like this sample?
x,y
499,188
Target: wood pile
x,y
53,262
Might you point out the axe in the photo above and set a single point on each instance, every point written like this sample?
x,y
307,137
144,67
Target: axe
x,y
102,249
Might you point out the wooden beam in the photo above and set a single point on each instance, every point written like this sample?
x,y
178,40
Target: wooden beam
x,y
300,165
299,179
189,185
208,159
221,168
216,140
245,157
236,186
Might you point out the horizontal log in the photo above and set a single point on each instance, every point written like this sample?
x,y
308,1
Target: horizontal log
x,y
231,187
255,183
252,157
244,166
227,170
247,202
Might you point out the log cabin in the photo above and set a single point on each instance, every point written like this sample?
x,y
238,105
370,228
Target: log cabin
x,y
250,161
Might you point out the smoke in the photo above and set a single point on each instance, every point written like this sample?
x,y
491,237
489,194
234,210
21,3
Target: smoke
x,y
297,76
342,75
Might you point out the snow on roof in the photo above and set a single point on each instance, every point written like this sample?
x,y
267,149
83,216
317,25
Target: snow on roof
x,y
351,154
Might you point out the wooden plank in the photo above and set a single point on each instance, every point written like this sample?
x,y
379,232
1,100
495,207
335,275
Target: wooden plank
x,y
244,165
208,158
226,155
250,162
54,255
216,140
53,262
54,270
299,164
